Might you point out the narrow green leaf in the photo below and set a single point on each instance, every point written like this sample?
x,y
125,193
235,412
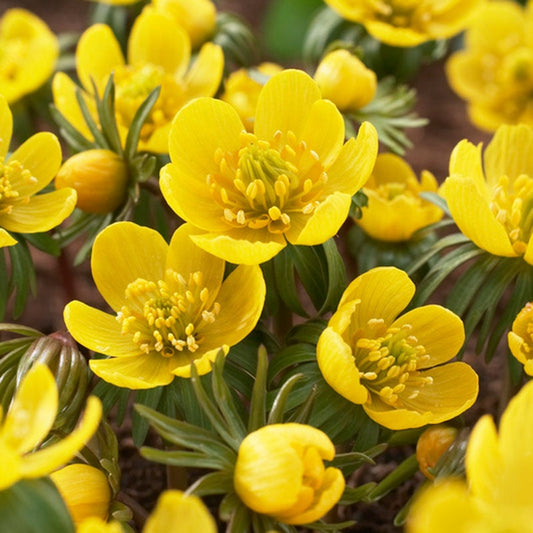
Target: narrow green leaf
x,y
99,137
405,470
336,276
303,413
277,411
182,458
285,282
291,356
257,416
149,398
76,140
212,483
22,279
357,494
106,113
240,520
312,271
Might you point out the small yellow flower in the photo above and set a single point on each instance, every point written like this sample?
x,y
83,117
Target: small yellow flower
x,y
408,22
431,445
85,491
292,180
494,72
27,423
30,168
29,52
197,18
521,338
171,307
345,80
491,198
99,177
499,471
393,366
395,210
158,55
280,472
242,91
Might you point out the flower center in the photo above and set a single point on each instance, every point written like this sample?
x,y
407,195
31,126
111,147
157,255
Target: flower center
x,y
12,56
13,176
386,358
168,316
134,84
512,205
264,183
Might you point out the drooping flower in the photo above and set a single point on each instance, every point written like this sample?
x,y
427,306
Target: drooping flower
x,y
292,180
23,174
171,307
29,53
521,338
408,22
395,210
491,197
158,55
431,445
27,423
499,471
280,472
393,366
494,71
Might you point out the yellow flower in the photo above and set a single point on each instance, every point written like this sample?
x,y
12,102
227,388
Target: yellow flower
x,y
85,491
491,199
494,73
27,423
242,91
395,210
393,366
30,168
499,471
521,338
345,80
408,22
158,55
197,18
177,512
29,53
99,177
117,2
292,180
171,307
280,472
97,525
431,445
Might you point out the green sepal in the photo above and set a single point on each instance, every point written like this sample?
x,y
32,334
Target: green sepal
x,y
404,471
106,114
239,520
212,483
228,506
74,138
357,494
303,413
351,461
99,138
323,527
256,418
44,242
277,411
236,40
359,199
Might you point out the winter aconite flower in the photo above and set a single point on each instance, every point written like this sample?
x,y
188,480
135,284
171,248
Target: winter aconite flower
x,y
499,471
27,423
395,209
432,445
280,472
491,196
158,55
28,55
408,23
521,338
30,168
393,366
291,180
171,306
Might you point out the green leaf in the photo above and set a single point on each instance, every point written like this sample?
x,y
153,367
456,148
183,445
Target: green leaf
x,y
22,280
277,411
106,113
285,282
149,398
44,242
239,520
75,139
336,283
99,137
183,458
357,494
257,417
289,357
212,483
404,471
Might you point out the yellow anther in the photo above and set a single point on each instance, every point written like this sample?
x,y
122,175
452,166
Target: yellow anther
x,y
204,295
189,329
252,190
190,297
393,371
280,188
274,212
229,215
240,186
241,217
368,375
285,218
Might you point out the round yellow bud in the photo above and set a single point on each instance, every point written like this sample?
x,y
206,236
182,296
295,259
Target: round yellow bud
x,y
345,80
85,491
99,177
431,446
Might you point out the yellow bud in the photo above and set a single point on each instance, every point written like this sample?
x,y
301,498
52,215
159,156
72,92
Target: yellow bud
x,y
431,446
85,490
345,80
99,177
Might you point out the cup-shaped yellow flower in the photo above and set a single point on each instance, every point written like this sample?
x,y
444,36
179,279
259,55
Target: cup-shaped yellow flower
x,y
280,472
345,80
291,180
29,53
395,209
172,308
159,52
491,197
408,22
30,168
520,338
499,471
394,365
27,423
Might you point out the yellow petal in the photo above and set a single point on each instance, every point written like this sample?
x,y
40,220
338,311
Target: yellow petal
x,y
181,364
466,75
97,525
205,74
465,162
395,36
10,471
6,127
157,40
98,331
98,54
516,343
177,512
528,256
6,239
122,253
32,412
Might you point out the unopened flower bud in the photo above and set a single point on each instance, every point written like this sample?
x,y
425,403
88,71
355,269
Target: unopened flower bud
x,y
99,177
431,446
